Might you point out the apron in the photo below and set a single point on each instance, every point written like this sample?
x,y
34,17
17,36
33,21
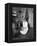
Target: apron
x,y
24,28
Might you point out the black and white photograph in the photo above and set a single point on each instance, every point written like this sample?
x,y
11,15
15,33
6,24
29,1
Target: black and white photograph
x,y
20,23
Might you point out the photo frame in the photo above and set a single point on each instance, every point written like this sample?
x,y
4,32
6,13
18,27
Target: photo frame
x,y
20,22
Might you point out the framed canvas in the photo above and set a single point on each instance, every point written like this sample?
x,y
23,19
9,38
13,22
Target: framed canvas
x,y
20,22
